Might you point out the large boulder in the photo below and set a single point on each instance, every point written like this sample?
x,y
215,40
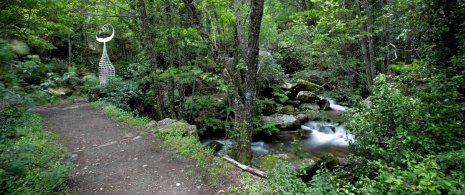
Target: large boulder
x,y
282,121
312,114
324,104
303,85
307,97
309,106
168,124
288,109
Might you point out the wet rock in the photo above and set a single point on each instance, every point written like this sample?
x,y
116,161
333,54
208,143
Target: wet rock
x,y
215,145
324,104
308,97
304,133
282,121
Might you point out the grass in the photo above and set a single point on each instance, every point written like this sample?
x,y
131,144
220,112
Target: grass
x,y
120,115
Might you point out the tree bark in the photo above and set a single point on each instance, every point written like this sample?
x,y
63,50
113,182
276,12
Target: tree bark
x,y
371,45
239,28
244,154
408,39
151,58
244,167
70,51
364,48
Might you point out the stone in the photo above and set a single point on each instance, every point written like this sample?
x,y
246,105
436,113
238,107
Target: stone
x,y
282,121
61,92
288,109
312,114
309,163
324,104
215,145
330,161
303,85
128,135
151,124
168,124
304,133
309,106
302,118
293,102
307,97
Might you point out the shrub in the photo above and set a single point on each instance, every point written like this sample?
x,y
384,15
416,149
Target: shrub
x,y
124,94
29,164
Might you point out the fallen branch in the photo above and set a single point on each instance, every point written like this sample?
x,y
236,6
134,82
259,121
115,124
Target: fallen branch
x,y
244,167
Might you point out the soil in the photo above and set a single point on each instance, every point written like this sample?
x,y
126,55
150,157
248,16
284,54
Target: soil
x,y
112,158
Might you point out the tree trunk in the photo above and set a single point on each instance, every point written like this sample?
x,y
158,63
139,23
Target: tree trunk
x,y
408,39
239,28
151,58
70,53
364,48
243,153
371,45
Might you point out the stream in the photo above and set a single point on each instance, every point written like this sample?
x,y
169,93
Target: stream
x,y
321,138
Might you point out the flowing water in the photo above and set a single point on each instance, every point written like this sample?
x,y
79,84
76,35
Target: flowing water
x,y
322,137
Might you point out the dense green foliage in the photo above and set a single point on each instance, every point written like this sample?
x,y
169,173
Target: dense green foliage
x,y
29,164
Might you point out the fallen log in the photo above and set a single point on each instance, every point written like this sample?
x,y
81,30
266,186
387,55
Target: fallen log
x,y
244,167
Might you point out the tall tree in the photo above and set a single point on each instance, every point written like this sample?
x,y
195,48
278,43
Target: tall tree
x,y
151,58
363,43
245,106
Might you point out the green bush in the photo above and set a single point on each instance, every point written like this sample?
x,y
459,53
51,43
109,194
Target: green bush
x,y
124,94
29,164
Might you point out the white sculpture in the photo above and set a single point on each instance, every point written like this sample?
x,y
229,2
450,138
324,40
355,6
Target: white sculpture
x,y
105,68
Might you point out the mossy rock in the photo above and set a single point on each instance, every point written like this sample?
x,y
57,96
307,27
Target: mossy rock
x,y
307,97
168,124
288,109
306,161
330,161
60,92
303,85
312,114
309,106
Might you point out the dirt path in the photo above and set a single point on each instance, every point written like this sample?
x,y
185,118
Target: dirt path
x,y
111,158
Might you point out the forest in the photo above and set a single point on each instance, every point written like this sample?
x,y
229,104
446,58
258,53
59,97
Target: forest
x,y
236,69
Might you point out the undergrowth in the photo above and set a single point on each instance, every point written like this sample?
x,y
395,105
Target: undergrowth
x,y
29,163
120,115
